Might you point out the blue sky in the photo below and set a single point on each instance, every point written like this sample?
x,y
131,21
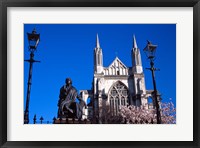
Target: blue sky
x,y
66,50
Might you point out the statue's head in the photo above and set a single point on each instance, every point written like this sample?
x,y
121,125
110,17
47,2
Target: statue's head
x,y
68,81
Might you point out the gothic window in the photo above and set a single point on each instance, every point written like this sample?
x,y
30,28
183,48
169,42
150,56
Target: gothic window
x,y
118,95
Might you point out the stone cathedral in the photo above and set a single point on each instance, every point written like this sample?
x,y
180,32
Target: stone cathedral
x,y
115,85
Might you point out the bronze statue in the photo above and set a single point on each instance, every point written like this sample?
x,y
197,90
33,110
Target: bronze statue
x,y
68,107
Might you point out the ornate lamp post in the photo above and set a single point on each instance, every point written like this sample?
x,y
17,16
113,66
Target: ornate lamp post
x,y
150,50
33,39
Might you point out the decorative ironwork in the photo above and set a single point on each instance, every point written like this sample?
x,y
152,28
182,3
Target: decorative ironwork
x,y
33,39
150,50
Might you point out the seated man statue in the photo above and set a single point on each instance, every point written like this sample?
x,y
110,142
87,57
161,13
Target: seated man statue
x,y
67,101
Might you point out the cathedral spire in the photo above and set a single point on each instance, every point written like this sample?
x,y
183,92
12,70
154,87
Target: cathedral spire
x,y
98,57
97,42
134,42
136,57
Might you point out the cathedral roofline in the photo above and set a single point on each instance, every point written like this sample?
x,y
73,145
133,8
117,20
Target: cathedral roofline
x,y
116,58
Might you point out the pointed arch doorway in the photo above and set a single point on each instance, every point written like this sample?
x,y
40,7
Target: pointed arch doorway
x,y
118,95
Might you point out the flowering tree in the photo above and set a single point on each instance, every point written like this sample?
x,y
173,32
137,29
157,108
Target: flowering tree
x,y
141,115
168,113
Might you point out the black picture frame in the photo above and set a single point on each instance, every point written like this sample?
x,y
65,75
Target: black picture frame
x,y
4,4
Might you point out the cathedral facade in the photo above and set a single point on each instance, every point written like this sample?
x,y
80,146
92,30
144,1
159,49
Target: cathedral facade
x,y
116,85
